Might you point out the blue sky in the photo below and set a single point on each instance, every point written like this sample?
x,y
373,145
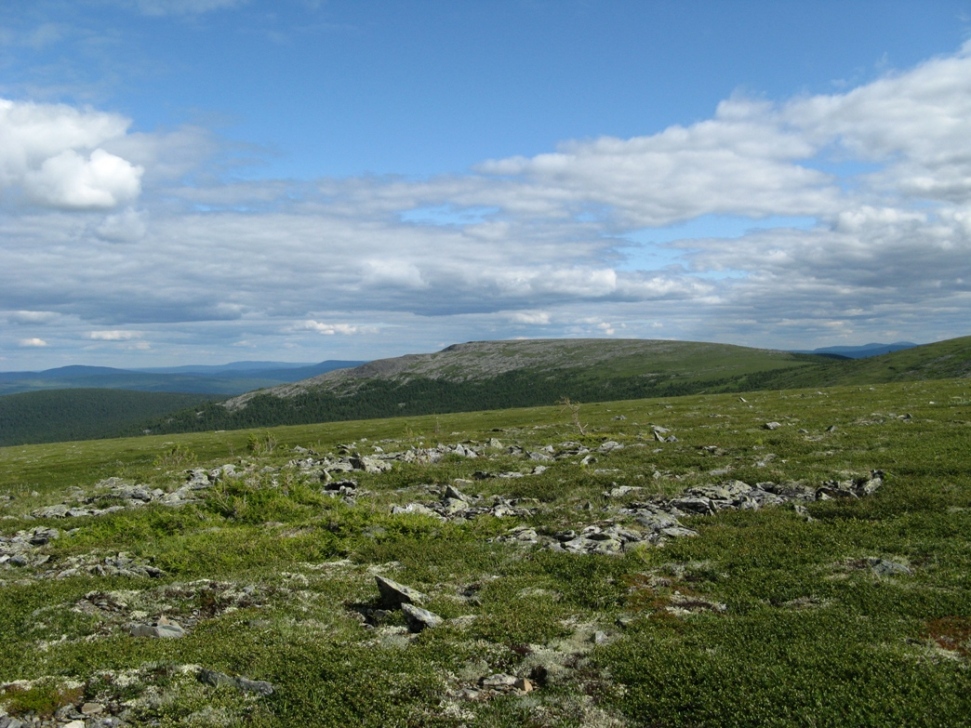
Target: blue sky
x,y
212,180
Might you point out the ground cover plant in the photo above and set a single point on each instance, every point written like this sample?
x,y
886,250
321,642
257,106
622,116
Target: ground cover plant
x,y
776,558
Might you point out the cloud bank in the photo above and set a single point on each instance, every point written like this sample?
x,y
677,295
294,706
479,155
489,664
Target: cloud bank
x,y
859,204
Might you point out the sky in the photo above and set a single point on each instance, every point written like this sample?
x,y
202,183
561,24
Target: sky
x,y
205,181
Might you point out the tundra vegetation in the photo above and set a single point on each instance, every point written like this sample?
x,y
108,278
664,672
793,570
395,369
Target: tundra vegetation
x,y
796,557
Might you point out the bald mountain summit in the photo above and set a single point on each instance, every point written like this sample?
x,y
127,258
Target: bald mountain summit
x,y
500,374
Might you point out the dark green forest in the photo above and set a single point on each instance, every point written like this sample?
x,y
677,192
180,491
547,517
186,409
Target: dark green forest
x,y
419,396
84,414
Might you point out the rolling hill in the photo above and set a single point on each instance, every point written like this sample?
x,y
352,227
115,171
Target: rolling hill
x,y
227,379
475,376
500,374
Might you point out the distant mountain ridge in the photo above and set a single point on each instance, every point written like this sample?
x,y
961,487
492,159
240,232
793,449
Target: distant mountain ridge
x,y
859,352
227,379
473,376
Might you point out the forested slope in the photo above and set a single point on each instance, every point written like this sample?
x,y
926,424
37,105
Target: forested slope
x,y
82,414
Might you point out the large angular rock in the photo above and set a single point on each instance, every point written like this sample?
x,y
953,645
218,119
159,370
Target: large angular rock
x,y
394,594
420,619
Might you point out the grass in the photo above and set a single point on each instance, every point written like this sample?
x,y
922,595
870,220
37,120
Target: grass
x,y
765,618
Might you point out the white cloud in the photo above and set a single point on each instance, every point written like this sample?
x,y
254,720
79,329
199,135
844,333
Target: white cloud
x,y
740,162
857,219
114,335
101,180
330,329
54,153
533,318
31,317
916,123
269,260
33,343
180,7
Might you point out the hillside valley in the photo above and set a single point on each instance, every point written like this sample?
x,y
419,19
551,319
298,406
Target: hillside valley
x,y
784,557
462,377
499,374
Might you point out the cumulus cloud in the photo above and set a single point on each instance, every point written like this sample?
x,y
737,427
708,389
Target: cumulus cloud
x,y
33,343
54,153
100,180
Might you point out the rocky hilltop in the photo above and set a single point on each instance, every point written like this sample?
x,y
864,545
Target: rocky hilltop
x,y
478,361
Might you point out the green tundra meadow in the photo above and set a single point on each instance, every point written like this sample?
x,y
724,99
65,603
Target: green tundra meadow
x,y
232,578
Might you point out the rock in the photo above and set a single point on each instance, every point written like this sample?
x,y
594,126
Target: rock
x,y
499,681
197,479
164,628
622,490
11,722
656,521
262,687
394,594
454,493
772,425
464,451
694,505
58,511
868,486
92,709
370,464
524,684
451,506
600,637
219,679
43,536
884,567
608,546
420,619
